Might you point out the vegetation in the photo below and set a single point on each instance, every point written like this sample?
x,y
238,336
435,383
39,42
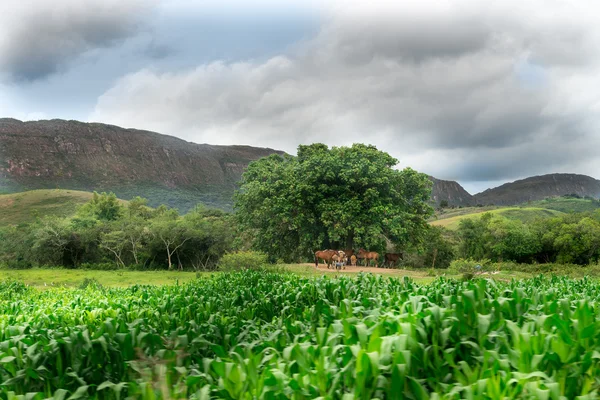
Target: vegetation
x,y
109,234
26,207
569,238
45,278
524,214
567,204
256,334
343,197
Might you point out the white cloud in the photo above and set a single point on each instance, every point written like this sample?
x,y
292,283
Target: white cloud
x,y
440,85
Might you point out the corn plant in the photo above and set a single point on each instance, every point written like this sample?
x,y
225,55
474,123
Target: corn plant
x,y
262,335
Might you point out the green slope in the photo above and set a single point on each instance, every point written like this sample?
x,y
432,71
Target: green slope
x,y
25,207
525,214
566,204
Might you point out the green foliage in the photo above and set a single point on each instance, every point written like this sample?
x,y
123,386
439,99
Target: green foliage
x,y
26,207
256,334
103,207
133,235
570,238
242,260
464,266
343,197
91,283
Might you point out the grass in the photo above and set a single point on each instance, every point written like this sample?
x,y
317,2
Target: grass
x,y
525,214
45,277
566,205
25,207
49,277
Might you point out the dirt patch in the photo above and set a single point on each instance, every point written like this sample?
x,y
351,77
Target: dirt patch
x,y
373,270
7,203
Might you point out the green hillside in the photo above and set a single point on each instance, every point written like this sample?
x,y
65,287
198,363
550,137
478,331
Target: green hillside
x,y
25,207
566,204
525,214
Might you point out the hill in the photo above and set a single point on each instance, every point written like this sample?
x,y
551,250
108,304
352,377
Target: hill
x,y
27,206
538,188
566,204
450,191
90,156
524,214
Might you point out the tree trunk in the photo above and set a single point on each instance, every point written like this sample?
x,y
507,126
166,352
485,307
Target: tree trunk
x,y
169,254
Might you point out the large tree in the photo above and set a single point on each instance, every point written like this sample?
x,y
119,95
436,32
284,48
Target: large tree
x,y
343,197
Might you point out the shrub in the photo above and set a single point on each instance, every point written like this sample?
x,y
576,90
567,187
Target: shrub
x,y
462,266
101,266
242,260
91,283
18,264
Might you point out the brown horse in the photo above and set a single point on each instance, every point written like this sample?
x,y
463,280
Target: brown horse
x,y
368,256
324,255
349,253
392,258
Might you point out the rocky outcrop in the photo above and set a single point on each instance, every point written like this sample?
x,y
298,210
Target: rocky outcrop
x,y
450,191
539,188
91,156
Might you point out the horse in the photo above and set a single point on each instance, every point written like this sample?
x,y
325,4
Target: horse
x,y
368,256
324,255
339,260
353,260
349,254
392,258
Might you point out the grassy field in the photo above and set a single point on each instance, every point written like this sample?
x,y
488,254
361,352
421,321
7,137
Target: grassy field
x,y
44,278
25,207
525,214
566,205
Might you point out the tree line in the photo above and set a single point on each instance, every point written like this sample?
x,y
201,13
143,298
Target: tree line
x,y
108,233
566,239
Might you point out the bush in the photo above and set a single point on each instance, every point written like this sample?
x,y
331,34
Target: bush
x,y
469,266
18,264
101,266
242,260
91,283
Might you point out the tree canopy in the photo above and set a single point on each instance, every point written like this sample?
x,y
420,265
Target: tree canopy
x,y
339,197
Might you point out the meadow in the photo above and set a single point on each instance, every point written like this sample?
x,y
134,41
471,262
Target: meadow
x,y
260,334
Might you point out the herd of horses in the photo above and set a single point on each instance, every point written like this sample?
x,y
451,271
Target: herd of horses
x,y
340,258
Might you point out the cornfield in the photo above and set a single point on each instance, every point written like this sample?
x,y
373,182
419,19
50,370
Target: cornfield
x,y
262,335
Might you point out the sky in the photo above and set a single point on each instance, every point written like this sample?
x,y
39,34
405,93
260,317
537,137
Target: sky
x,y
481,92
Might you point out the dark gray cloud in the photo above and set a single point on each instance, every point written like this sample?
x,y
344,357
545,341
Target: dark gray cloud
x,y
40,38
471,91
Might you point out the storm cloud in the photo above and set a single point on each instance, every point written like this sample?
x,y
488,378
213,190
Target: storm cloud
x,y
461,89
466,91
39,38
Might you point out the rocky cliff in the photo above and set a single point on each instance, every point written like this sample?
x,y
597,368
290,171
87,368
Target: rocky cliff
x,y
129,162
450,191
538,188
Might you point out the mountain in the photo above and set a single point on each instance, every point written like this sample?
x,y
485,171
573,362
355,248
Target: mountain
x,y
538,188
90,156
450,191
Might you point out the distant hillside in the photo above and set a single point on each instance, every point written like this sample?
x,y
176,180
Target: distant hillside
x,y
524,214
90,156
566,205
25,207
538,188
450,191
